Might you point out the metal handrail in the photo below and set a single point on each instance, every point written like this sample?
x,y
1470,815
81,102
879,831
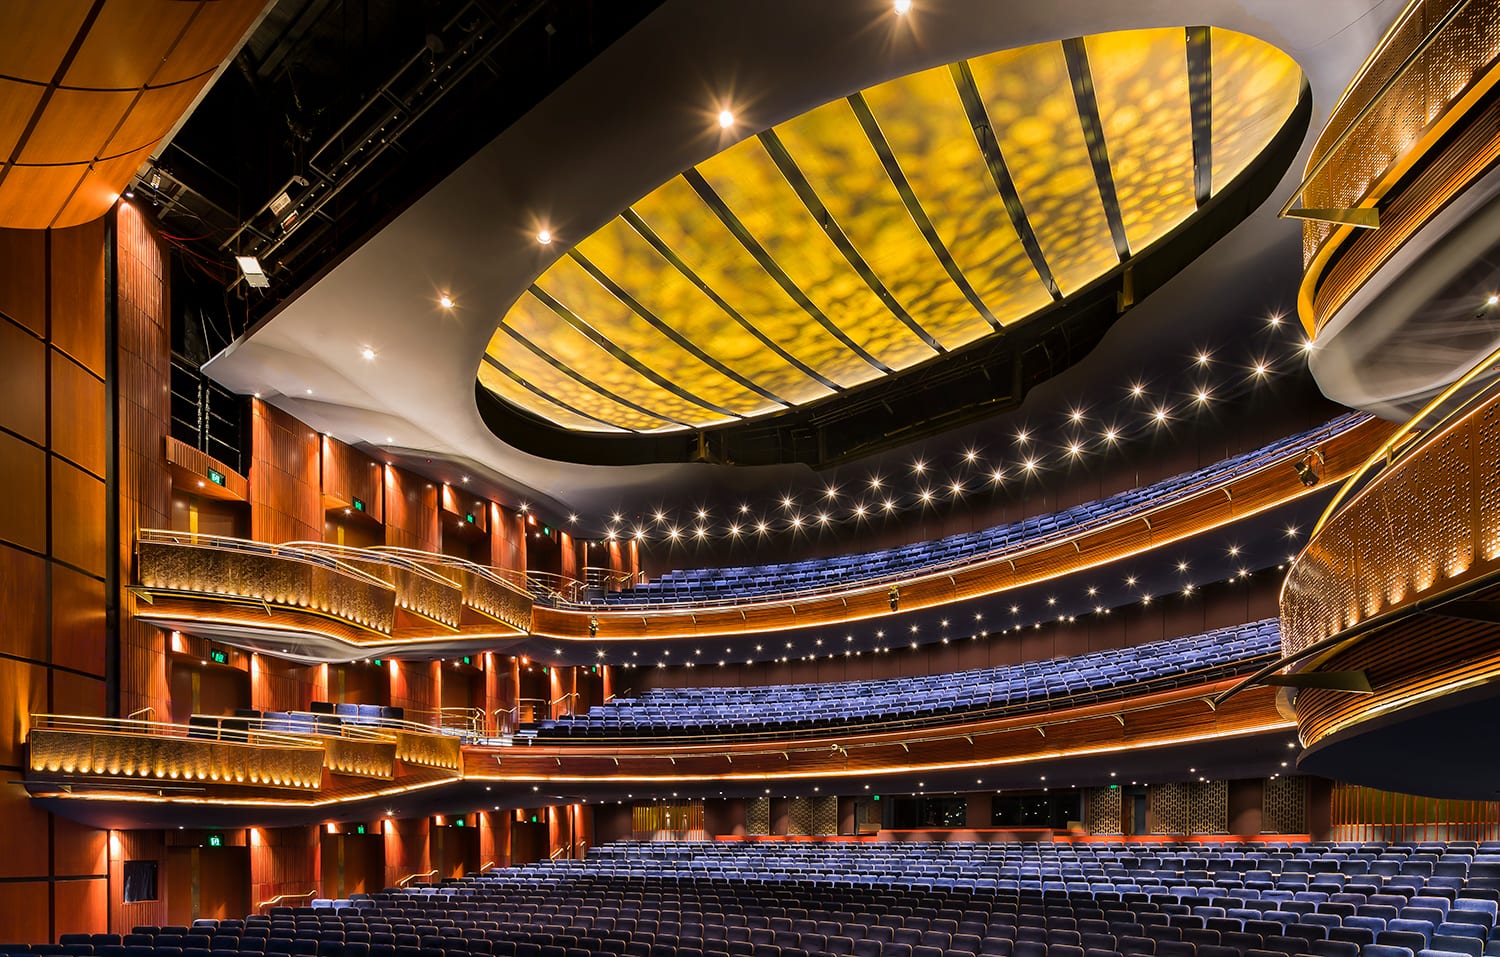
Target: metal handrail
x,y
1042,722
1399,73
1209,484
411,877
162,729
286,897
352,553
1045,704
527,582
148,709
164,536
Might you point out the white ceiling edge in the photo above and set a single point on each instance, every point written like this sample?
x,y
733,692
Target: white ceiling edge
x,y
639,114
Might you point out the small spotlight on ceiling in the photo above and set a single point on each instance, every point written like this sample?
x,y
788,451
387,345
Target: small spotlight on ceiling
x,y
1491,300
726,119
446,301
1308,345
368,353
255,276
544,237
902,7
1309,468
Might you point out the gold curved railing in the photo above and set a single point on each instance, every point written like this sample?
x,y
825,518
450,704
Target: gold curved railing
x,y
1420,514
159,752
1434,66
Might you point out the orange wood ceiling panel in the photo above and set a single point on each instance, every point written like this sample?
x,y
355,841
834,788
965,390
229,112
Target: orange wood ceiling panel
x,y
90,87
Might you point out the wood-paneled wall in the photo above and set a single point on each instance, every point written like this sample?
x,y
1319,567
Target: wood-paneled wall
x,y
285,486
349,474
54,438
407,848
283,860
416,686
411,511
143,370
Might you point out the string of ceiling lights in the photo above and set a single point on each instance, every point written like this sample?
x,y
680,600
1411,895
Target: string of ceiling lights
x,y
876,496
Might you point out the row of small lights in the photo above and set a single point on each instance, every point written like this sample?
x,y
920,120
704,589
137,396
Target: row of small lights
x,y
1187,591
878,496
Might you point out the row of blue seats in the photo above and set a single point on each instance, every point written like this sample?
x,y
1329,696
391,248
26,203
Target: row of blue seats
x,y
826,704
701,584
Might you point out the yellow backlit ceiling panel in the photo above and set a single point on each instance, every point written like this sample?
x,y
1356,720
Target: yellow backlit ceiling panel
x,y
881,230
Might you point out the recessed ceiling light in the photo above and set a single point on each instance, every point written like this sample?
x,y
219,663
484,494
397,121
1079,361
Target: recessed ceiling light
x,y
1492,300
446,301
902,7
726,119
544,237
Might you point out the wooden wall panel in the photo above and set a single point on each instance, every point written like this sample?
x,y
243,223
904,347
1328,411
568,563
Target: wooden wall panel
x,y
407,848
23,389
349,474
416,686
53,540
136,846
283,860
279,685
143,368
285,488
411,511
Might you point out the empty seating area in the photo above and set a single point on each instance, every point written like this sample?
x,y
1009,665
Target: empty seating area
x,y
708,899
1115,673
729,584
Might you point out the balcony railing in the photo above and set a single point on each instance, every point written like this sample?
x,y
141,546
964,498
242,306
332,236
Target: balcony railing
x,y
159,752
1421,516
1430,67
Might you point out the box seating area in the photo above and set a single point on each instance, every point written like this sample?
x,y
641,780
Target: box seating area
x,y
1117,672
722,584
707,899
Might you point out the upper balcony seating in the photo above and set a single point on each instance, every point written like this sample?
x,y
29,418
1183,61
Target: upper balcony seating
x,y
709,899
1114,673
720,584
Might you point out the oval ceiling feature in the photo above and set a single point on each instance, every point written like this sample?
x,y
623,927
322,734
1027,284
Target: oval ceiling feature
x,y
885,229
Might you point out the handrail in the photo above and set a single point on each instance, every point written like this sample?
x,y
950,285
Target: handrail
x,y
365,555
161,729
1039,706
411,877
520,580
486,865
1399,73
163,536
1213,479
140,711
1043,721
1405,434
286,897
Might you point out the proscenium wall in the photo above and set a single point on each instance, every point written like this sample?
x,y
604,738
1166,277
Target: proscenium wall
x,y
83,353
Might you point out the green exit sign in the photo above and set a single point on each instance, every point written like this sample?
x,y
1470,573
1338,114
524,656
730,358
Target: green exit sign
x,y
219,657
468,659
469,517
458,822
533,818
359,829
216,840
877,797
359,505
378,662
215,476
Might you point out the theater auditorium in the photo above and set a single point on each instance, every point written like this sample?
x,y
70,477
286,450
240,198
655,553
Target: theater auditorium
x,y
694,478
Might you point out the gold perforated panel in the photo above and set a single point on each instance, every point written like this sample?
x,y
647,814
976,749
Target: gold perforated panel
x,y
159,758
1429,521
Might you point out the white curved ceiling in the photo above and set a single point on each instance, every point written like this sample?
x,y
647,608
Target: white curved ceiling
x,y
643,111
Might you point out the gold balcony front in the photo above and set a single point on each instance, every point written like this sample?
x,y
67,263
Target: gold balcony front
x,y
151,752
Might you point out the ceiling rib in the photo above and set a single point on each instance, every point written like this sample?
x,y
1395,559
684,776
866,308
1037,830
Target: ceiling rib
x,y
1200,103
620,355
1082,77
809,196
584,380
989,148
634,221
682,341
756,250
509,373
914,207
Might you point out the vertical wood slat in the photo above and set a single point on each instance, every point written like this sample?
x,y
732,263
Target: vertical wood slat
x,y
145,486
285,485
